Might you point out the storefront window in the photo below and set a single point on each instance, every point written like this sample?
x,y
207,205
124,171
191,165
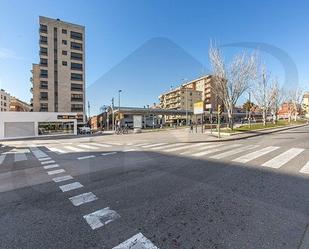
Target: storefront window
x,y
55,128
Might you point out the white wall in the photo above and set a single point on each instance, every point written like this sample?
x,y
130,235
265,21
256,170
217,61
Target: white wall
x,y
35,117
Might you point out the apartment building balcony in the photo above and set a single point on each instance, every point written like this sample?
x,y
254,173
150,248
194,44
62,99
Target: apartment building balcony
x,y
77,99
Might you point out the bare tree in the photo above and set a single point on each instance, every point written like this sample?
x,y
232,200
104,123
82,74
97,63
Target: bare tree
x,y
264,92
230,81
295,97
278,99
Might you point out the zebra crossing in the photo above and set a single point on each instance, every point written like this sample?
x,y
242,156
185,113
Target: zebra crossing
x,y
78,148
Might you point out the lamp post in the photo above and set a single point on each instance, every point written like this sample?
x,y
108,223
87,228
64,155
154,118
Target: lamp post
x,y
113,118
249,109
186,100
119,91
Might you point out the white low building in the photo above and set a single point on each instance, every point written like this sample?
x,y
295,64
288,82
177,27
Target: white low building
x,y
36,124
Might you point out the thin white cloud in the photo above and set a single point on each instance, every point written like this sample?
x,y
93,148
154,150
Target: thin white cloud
x,y
8,54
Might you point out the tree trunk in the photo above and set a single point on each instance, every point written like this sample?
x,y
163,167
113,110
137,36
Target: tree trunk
x,y
230,117
264,117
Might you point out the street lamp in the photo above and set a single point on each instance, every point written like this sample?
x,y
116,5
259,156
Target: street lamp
x,y
119,91
186,100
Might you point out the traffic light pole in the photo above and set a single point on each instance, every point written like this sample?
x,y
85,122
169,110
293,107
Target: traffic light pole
x,y
219,122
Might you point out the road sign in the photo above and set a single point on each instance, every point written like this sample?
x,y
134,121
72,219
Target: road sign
x,y
208,106
198,107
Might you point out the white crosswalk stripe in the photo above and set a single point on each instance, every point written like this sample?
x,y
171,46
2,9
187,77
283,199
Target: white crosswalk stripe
x,y
203,153
56,150
70,186
213,145
2,157
54,172
38,153
185,147
62,178
86,146
101,145
152,145
51,166
305,169
138,241
283,158
234,151
167,146
85,157
101,217
44,159
47,162
255,154
71,148
20,157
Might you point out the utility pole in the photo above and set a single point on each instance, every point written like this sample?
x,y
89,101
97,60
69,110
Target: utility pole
x,y
119,91
249,109
89,114
113,118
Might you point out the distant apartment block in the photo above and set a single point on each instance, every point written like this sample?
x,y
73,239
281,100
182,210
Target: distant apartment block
x,y
17,105
58,81
4,101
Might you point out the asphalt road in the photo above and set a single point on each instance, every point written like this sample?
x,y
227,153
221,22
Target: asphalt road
x,y
251,193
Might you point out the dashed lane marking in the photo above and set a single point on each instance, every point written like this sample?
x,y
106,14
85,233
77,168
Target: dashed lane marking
x,y
62,178
109,153
47,162
54,172
138,241
83,198
283,158
128,150
51,166
101,217
255,154
85,157
233,152
70,186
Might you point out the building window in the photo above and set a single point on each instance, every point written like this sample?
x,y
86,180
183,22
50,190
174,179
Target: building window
x,y
43,95
43,84
76,35
43,39
64,63
43,51
76,97
43,107
43,28
64,42
76,76
76,56
43,73
64,31
76,87
64,52
77,46
43,62
77,108
77,66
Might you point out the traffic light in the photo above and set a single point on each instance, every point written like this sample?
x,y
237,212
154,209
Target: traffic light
x,y
219,109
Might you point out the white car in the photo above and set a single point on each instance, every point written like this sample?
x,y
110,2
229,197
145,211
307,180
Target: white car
x,y
85,130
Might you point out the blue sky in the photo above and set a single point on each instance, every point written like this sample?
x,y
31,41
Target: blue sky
x,y
117,28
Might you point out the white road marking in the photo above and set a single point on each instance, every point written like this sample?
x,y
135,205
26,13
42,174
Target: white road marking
x,y
56,150
101,145
128,150
71,148
2,157
47,162
83,198
54,172
38,153
283,158
138,241
86,146
109,153
152,145
235,151
255,154
62,178
51,166
214,145
70,186
168,146
20,157
185,147
203,153
101,217
85,157
305,169
142,144
44,159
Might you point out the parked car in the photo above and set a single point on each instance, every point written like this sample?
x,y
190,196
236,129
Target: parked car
x,y
84,130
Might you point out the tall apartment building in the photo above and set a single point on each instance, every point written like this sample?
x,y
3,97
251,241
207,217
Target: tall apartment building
x,y
4,101
59,79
